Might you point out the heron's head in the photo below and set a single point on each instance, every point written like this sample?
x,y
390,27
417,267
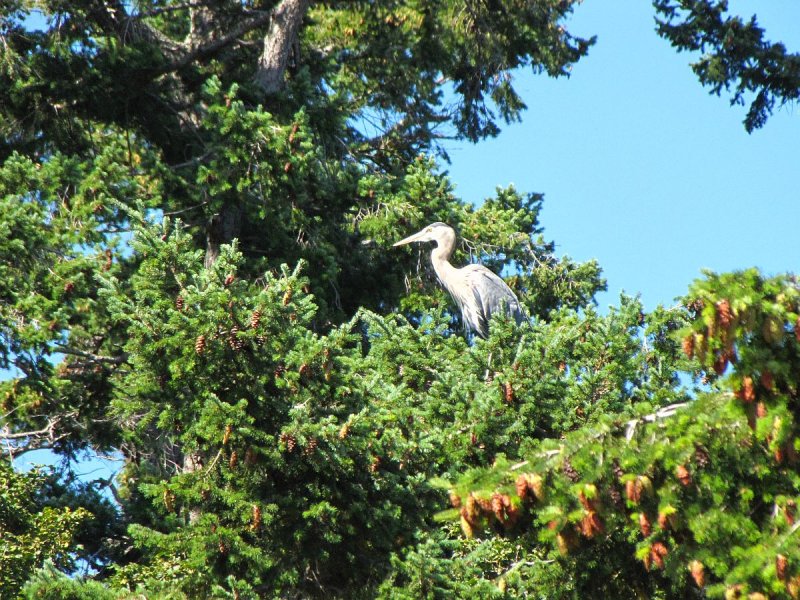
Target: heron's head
x,y
435,232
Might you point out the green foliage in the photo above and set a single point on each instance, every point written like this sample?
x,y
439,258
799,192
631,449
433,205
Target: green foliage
x,y
710,491
196,274
264,405
32,530
354,61
310,452
294,464
735,55
61,227
51,584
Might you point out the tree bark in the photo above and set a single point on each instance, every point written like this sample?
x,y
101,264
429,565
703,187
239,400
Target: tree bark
x,y
193,462
278,43
222,228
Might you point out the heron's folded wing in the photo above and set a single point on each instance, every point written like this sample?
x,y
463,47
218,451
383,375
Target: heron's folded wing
x,y
494,294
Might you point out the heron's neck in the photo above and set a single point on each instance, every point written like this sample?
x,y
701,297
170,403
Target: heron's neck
x,y
440,257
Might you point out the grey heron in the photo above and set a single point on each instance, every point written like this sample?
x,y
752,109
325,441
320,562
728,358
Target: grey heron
x,y
479,292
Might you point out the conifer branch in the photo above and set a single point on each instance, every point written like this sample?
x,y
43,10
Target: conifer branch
x,y
97,358
114,19
160,10
662,413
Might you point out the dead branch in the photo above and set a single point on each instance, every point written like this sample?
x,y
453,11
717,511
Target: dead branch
x,y
96,358
662,413
215,46
115,20
45,437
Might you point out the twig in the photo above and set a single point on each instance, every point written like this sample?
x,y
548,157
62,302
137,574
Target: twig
x,y
213,463
165,9
34,438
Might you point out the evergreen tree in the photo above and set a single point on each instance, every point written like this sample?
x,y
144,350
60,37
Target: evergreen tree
x,y
702,494
198,201
35,526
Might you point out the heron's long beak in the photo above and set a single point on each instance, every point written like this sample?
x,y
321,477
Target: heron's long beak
x,y
412,238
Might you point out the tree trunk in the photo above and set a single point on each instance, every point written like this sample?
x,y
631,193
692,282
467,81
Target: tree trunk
x,y
278,44
222,228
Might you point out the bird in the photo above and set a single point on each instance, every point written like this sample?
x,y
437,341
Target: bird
x,y
478,292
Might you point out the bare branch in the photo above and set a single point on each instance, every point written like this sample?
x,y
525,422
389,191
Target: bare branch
x,y
160,10
34,440
109,483
112,360
662,413
7,435
218,44
114,19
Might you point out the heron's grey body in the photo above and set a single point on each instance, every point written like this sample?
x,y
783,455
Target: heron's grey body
x,y
478,292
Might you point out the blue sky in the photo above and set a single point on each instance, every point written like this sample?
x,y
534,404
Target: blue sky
x,y
641,168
